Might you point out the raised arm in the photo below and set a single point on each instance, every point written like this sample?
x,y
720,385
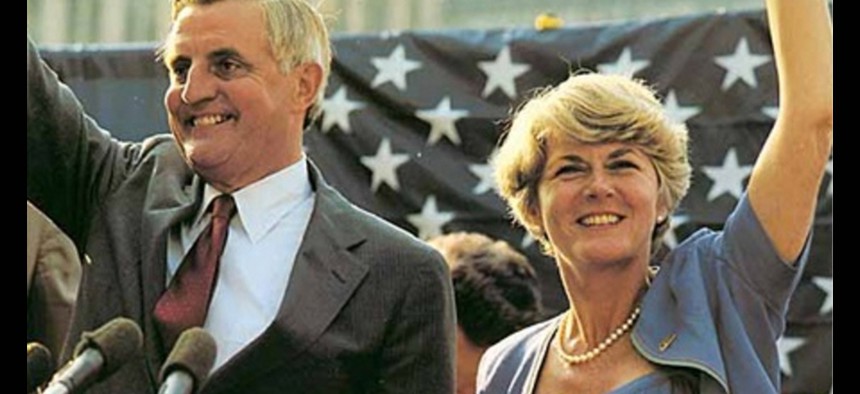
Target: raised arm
x,y
784,184
71,162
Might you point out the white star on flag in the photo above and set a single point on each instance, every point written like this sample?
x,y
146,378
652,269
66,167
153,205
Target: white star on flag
x,y
384,165
826,285
442,121
784,346
771,111
336,110
430,221
624,65
676,112
741,65
527,241
727,178
830,171
670,238
393,68
484,172
501,73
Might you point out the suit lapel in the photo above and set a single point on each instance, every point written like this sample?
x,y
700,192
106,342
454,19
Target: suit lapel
x,y
163,209
324,276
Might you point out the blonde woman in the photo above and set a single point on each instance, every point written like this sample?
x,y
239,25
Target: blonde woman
x,y
593,169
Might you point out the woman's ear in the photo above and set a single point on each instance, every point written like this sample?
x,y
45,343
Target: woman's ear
x,y
662,208
534,214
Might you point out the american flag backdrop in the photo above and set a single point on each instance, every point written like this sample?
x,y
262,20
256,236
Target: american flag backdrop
x,y
411,118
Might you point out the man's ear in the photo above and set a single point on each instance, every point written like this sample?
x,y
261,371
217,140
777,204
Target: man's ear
x,y
309,80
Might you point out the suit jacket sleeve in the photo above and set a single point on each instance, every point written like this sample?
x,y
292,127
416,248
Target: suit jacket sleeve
x,y
53,275
420,349
72,164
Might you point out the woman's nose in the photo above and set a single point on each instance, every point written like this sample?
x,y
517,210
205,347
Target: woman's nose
x,y
599,186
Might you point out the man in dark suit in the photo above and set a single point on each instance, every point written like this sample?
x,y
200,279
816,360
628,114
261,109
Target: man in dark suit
x,y
312,294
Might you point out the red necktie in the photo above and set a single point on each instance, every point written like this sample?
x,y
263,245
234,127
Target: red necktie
x,y
186,301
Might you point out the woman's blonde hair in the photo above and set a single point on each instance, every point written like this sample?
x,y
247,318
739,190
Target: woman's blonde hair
x,y
589,108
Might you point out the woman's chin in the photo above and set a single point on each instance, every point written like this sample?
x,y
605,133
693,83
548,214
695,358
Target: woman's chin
x,y
604,254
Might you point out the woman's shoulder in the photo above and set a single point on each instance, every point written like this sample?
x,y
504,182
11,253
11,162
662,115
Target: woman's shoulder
x,y
527,338
741,237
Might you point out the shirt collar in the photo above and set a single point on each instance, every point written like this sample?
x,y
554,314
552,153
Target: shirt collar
x,y
263,203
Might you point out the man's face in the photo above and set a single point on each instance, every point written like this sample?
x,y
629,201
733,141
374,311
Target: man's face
x,y
235,116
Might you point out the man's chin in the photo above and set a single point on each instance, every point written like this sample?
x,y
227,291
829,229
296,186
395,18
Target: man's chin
x,y
202,160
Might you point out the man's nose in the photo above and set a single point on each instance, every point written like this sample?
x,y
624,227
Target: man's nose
x,y
200,85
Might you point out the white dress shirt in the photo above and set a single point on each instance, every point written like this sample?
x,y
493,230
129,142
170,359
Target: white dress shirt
x,y
272,215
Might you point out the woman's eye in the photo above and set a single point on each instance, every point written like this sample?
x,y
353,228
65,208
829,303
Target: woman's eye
x,y
622,164
568,169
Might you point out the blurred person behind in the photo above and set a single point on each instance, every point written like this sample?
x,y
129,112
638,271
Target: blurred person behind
x,y
53,275
496,292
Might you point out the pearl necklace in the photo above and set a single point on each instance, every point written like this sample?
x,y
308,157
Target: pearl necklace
x,y
598,350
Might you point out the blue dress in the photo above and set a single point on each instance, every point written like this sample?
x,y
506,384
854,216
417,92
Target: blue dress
x,y
709,321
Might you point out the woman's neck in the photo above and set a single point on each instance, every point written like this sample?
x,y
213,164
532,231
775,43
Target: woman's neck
x,y
601,300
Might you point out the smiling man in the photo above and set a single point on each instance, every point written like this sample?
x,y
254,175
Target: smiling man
x,y
236,115
228,225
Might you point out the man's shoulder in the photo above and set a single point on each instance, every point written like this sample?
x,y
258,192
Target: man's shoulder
x,y
157,145
372,226
158,152
379,236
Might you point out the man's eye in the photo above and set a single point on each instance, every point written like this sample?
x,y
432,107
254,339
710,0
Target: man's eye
x,y
228,68
179,73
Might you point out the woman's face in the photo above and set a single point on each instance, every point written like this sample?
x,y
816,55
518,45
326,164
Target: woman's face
x,y
598,203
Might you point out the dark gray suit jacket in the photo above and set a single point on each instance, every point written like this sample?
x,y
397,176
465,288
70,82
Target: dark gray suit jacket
x,y
369,308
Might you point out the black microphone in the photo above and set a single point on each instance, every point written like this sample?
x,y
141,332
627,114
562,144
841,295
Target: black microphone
x,y
98,354
40,365
189,363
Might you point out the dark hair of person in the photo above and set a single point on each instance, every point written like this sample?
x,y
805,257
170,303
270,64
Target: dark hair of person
x,y
495,287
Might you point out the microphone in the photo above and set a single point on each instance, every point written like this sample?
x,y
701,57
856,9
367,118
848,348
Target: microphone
x,y
40,365
189,363
98,354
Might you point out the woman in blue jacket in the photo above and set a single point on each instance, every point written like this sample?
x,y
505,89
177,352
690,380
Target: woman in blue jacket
x,y
593,169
